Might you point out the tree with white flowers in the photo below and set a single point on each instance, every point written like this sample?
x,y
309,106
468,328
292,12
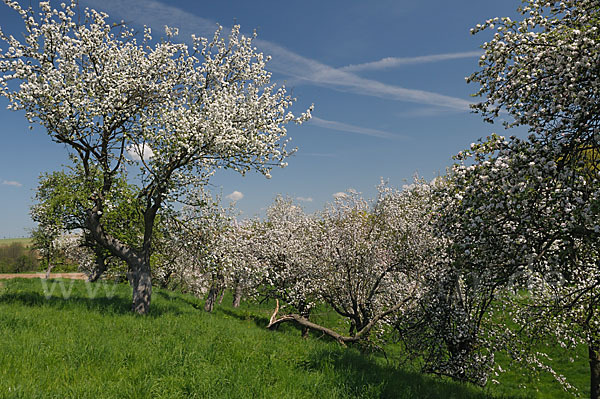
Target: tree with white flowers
x,y
241,243
202,231
543,71
283,249
523,236
367,259
181,111
526,211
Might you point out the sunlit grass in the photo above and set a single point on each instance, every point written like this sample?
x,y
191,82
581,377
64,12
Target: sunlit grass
x,y
91,346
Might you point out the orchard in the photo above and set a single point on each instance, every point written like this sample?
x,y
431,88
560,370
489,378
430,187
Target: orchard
x,y
500,253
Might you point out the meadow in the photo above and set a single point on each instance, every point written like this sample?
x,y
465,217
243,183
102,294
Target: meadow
x,y
90,345
25,241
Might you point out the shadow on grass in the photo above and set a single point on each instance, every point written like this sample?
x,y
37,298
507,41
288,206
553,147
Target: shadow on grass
x,y
113,300
171,296
263,321
363,376
115,305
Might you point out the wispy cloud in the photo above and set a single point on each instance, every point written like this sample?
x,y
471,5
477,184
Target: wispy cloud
x,y
305,70
392,62
344,127
11,183
301,69
235,196
304,199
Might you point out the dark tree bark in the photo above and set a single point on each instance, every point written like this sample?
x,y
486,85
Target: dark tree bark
x,y
100,267
141,283
213,293
211,298
594,357
138,261
305,313
166,279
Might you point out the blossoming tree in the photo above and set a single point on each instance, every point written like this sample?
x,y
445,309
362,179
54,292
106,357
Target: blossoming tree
x,y
543,71
523,233
367,259
183,110
531,206
285,256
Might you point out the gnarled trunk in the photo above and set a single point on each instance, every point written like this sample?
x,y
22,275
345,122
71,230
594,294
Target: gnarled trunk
x,y
213,293
594,357
99,269
138,261
361,334
141,282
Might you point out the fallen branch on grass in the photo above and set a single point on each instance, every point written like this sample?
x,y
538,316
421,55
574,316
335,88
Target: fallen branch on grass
x,y
294,317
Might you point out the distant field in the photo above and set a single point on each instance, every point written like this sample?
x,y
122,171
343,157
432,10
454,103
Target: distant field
x,y
8,241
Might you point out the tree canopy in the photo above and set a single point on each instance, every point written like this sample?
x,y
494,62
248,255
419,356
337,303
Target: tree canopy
x,y
184,110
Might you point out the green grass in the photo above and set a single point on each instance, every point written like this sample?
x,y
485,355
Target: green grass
x,y
9,241
93,347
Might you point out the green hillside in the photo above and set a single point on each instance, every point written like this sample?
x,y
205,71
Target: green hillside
x,y
91,346
9,241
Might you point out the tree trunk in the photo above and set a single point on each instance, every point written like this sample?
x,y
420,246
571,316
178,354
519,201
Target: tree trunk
x,y
95,275
237,295
305,329
305,313
212,298
222,295
215,288
165,281
138,262
99,269
361,334
594,355
50,267
141,282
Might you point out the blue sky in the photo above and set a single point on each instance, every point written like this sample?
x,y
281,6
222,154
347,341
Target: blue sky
x,y
386,78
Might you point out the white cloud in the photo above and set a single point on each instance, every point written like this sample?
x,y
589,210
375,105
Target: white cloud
x,y
302,69
235,196
304,199
344,127
305,70
12,183
391,62
136,153
339,195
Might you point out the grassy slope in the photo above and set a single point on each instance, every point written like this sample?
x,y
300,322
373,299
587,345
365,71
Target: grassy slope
x,y
88,347
8,241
